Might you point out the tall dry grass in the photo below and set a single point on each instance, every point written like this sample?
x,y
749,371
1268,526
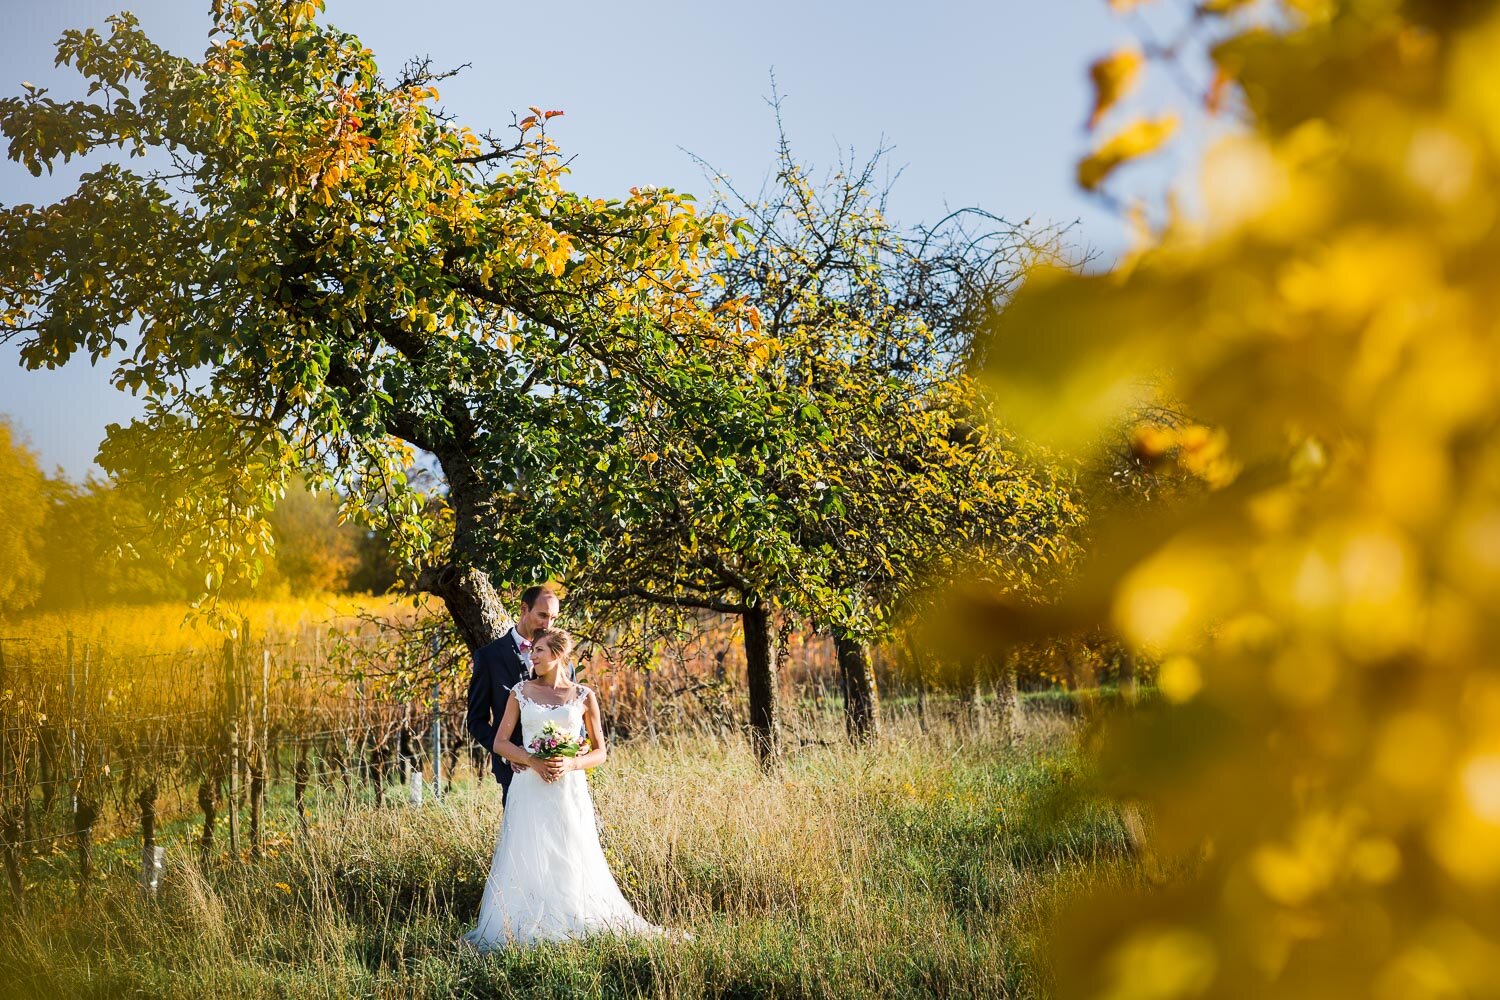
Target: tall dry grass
x,y
923,867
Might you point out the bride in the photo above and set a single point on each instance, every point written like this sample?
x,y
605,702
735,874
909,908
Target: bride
x,y
548,878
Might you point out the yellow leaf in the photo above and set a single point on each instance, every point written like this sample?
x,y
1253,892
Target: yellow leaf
x,y
1143,136
1114,76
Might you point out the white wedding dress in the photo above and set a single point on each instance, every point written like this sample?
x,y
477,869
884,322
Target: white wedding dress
x,y
548,879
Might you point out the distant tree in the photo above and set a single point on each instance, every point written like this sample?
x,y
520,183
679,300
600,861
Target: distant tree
x,y
77,536
23,508
315,552
375,570
98,550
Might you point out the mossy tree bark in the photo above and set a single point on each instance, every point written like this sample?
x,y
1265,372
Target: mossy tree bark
x,y
861,696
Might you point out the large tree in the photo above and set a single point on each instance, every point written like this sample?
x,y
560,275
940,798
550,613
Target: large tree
x,y
837,459
315,270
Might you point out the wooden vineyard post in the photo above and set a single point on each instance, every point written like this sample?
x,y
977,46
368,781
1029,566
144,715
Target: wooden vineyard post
x,y
411,763
411,767
83,833
721,679
234,789
72,729
650,706
206,801
261,754
299,788
410,777
344,760
10,837
12,820
231,705
85,808
257,795
454,752
377,768
17,752
151,855
437,723
244,709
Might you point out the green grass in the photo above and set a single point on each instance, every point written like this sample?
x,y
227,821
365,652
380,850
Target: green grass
x,y
1073,702
924,867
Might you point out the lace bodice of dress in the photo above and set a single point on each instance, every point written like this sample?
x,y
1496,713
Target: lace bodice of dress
x,y
536,714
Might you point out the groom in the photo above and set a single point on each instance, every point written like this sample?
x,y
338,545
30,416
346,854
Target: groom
x,y
498,667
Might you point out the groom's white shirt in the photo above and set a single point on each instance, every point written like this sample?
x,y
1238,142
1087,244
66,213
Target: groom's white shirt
x,y
523,647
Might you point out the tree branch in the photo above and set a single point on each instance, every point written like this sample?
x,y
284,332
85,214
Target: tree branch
x,y
701,603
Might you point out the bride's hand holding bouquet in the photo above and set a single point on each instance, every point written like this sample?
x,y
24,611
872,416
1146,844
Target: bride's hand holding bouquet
x,y
553,750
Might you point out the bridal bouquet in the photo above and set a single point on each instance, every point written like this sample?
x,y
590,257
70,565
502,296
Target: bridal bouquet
x,y
554,742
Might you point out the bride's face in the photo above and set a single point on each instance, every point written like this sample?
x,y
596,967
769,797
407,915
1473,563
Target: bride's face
x,y
543,658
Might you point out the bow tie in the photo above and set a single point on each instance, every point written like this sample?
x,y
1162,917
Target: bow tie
x,y
523,643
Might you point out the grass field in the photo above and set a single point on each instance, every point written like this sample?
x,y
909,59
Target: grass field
x,y
923,867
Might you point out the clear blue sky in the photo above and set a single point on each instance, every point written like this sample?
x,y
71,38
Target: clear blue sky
x,y
983,102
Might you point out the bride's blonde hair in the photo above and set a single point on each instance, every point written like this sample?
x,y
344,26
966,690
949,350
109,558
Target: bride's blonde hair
x,y
557,640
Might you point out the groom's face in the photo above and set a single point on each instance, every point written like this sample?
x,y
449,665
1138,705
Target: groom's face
x,y
539,615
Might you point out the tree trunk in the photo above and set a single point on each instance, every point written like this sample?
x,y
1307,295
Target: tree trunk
x,y
472,601
760,669
861,697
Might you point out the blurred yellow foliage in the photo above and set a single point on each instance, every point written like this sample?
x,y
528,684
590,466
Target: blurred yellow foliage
x,y
1322,771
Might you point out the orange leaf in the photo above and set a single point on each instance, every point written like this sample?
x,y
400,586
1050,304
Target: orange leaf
x,y
1213,102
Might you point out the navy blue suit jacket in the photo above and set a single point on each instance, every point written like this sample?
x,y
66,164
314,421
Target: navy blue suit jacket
x,y
497,668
